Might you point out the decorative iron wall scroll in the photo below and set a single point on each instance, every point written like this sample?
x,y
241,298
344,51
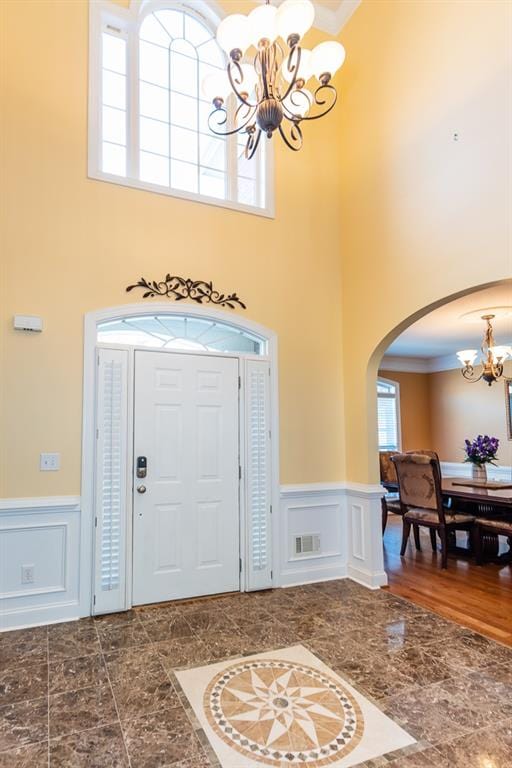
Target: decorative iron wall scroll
x,y
179,288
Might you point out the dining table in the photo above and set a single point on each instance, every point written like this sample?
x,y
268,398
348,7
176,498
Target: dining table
x,y
493,500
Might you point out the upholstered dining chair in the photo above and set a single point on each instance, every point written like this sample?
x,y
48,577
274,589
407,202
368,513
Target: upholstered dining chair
x,y
419,483
390,502
485,525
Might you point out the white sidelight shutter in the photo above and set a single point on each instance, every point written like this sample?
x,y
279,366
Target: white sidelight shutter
x,y
111,458
258,485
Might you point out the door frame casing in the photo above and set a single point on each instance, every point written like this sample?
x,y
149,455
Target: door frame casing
x,y
88,482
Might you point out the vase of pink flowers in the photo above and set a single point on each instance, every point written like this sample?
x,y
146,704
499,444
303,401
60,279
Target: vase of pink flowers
x,y
480,452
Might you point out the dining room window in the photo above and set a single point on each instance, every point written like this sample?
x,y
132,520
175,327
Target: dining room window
x,y
388,415
149,117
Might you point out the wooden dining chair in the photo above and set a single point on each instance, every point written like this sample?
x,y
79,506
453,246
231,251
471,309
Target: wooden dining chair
x,y
497,527
419,483
390,502
432,531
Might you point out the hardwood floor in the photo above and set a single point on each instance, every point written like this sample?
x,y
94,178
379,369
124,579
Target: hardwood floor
x,y
479,597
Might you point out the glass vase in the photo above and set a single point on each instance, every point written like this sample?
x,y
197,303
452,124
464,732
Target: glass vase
x,y
479,472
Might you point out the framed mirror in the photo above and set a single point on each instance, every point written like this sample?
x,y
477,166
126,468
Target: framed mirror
x,y
508,405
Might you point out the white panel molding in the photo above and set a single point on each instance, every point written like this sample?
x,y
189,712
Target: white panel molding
x,y
32,528
356,521
314,508
43,531
350,514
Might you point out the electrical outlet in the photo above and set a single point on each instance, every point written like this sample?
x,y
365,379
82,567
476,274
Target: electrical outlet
x,y
49,462
27,574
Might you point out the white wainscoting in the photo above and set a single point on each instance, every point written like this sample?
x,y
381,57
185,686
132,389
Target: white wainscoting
x,y
347,517
463,469
316,509
365,553
43,533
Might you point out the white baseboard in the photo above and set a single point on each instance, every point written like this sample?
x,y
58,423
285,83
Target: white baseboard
x,y
25,618
370,579
298,577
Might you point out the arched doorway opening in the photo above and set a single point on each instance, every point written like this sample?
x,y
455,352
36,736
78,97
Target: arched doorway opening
x,y
376,358
439,409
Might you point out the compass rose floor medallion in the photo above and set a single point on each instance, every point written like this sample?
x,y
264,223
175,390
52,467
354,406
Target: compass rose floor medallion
x,y
287,708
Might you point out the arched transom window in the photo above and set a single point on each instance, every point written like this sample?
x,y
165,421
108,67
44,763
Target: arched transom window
x,y
180,332
149,117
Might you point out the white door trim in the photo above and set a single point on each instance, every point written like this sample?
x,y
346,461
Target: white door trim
x,y
91,321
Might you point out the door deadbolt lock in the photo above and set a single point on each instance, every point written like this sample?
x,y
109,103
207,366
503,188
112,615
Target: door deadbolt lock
x,y
142,466
141,489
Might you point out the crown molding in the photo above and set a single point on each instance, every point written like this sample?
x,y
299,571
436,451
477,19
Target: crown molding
x,y
419,364
443,363
332,22
404,364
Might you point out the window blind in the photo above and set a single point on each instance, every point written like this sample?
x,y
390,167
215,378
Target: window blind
x,y
387,416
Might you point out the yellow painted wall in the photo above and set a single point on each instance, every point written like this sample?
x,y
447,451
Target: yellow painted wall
x,y
440,410
423,216
415,409
71,245
381,214
460,410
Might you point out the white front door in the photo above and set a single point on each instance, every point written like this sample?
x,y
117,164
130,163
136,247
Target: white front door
x,y
186,538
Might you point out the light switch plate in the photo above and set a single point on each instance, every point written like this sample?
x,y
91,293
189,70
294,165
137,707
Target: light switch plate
x,y
49,462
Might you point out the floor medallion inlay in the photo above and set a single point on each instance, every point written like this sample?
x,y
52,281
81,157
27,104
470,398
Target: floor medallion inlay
x,y
276,711
286,708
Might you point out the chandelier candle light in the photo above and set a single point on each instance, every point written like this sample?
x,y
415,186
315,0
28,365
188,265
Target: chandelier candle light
x,y
270,93
493,357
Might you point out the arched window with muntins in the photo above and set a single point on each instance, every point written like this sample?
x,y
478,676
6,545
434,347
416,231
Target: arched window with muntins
x,y
180,333
149,116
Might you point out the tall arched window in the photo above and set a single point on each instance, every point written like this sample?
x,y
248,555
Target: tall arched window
x,y
149,117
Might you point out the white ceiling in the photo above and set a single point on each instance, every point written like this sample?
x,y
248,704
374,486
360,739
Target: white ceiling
x,y
333,5
332,15
447,329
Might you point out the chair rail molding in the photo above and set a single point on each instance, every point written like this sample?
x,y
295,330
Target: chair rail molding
x,y
41,503
42,534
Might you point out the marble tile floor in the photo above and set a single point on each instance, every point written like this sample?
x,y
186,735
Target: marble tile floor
x,y
102,693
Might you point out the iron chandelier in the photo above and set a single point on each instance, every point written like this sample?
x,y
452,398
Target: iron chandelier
x,y
493,357
270,93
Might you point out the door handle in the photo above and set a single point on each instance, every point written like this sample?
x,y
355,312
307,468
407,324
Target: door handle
x,y
141,489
